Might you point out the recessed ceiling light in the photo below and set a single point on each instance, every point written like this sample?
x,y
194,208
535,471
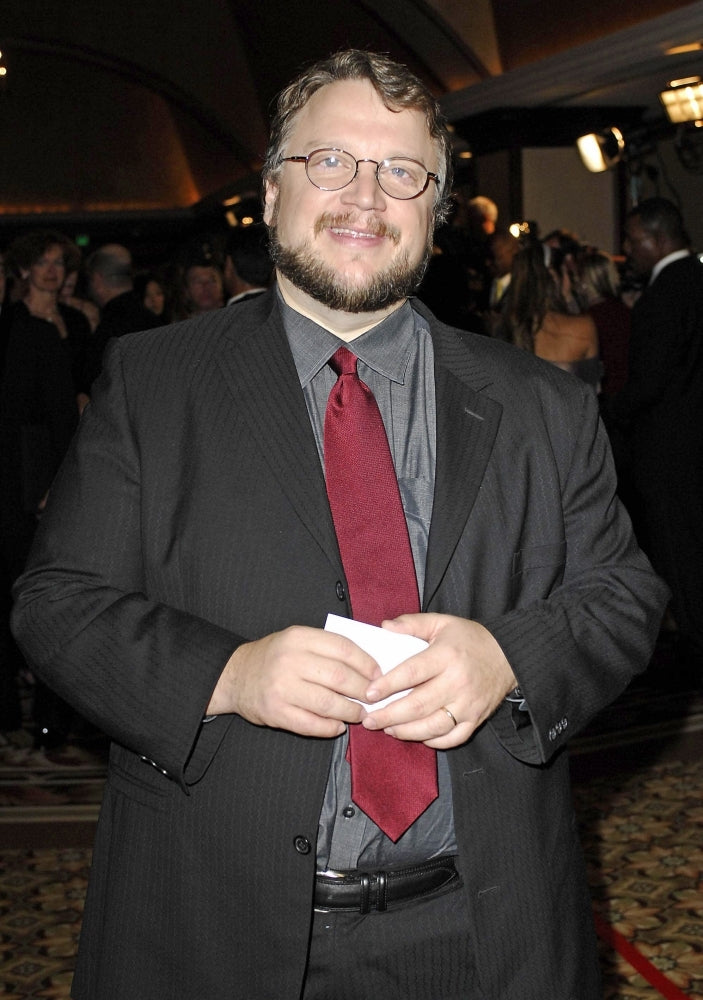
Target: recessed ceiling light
x,y
677,50
686,81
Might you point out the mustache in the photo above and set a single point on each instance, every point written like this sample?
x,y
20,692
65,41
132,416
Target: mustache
x,y
376,227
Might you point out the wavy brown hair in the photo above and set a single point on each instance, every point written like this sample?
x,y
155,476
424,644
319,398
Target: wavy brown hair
x,y
28,248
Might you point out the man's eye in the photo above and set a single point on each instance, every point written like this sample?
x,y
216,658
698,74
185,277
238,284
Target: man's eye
x,y
404,175
330,163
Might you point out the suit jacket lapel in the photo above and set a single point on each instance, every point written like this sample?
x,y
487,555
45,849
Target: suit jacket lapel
x,y
467,424
260,372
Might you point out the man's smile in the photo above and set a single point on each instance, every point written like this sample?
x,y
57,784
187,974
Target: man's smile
x,y
345,227
355,233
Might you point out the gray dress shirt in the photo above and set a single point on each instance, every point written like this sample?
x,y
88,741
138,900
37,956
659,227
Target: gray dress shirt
x,y
396,361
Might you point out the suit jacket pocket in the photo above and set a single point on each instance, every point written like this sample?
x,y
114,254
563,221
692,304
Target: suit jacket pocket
x,y
537,570
140,781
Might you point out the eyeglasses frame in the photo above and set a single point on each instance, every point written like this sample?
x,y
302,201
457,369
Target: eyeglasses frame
x,y
379,164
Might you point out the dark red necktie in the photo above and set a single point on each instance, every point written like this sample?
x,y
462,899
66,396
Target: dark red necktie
x,y
392,781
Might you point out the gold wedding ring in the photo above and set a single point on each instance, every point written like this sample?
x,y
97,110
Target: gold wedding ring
x,y
445,709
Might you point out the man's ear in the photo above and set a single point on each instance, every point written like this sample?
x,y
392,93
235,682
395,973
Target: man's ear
x,y
270,203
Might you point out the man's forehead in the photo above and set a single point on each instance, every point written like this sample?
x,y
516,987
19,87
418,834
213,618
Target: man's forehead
x,y
343,104
635,228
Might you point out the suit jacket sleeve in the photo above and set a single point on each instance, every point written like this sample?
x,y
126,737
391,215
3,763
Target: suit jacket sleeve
x,y
141,670
575,646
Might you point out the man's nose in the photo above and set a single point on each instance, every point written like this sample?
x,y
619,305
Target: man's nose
x,y
364,190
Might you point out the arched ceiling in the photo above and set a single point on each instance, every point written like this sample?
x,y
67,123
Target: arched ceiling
x,y
158,106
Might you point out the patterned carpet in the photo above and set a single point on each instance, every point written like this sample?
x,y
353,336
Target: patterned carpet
x,y
638,786
643,837
41,903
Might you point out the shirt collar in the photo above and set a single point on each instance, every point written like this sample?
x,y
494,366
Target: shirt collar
x,y
669,259
246,294
386,347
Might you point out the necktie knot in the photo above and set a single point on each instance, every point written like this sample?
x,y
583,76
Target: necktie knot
x,y
344,362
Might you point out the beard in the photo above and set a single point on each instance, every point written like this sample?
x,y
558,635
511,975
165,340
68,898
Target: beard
x,y
305,269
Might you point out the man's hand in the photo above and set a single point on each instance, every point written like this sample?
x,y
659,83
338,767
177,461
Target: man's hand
x,y
300,679
463,670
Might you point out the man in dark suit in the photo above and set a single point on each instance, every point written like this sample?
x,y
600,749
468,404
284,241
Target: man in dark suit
x,y
111,283
248,268
660,413
187,563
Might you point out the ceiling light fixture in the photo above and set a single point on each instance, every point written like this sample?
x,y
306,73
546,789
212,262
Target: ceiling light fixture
x,y
600,151
679,50
683,101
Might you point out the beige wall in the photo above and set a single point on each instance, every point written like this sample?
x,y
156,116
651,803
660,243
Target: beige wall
x,y
559,193
551,186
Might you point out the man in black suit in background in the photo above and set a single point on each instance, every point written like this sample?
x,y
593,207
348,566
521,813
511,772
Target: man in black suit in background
x,y
110,275
660,414
248,267
188,560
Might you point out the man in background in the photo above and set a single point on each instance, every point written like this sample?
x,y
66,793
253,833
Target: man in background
x,y
482,215
248,265
202,287
660,413
110,276
501,248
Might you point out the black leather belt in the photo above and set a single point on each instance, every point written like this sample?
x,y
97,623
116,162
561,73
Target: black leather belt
x,y
366,891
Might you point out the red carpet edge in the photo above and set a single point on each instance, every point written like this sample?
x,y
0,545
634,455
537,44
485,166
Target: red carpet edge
x,y
637,960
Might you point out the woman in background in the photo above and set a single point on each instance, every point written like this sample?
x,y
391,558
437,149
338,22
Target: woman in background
x,y
41,398
536,319
152,294
600,284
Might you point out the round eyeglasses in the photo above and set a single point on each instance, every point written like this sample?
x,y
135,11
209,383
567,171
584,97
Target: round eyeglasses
x,y
333,169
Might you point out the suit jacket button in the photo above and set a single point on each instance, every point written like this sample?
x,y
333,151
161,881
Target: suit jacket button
x,y
341,593
302,845
552,734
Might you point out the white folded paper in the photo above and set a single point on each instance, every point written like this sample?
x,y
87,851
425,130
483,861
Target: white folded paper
x,y
387,648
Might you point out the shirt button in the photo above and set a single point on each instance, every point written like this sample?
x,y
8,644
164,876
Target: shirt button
x,y
348,812
302,845
341,593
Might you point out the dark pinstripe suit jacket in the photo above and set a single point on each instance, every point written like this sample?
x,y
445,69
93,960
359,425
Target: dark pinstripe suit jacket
x,y
191,514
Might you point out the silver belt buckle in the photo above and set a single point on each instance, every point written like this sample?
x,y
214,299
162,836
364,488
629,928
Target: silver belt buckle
x,y
328,873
